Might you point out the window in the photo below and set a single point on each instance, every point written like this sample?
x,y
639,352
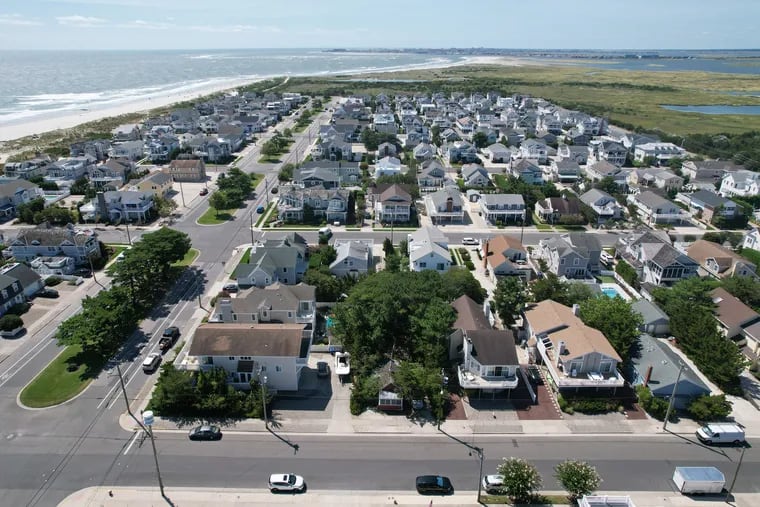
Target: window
x,y
245,358
423,264
234,316
284,270
278,368
231,358
208,360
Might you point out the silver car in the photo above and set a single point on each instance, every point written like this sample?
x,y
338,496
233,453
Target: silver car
x,y
493,483
286,482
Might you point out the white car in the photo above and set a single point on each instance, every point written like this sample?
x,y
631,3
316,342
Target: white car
x,y
469,241
286,482
493,483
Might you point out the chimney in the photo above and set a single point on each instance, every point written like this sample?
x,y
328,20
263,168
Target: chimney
x,y
561,347
648,376
485,254
576,310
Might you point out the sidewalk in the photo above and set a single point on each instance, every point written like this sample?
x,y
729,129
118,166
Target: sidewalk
x,y
191,497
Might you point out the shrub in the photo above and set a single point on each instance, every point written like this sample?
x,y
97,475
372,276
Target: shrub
x,y
19,309
521,479
656,407
577,477
593,406
9,322
710,408
52,281
470,265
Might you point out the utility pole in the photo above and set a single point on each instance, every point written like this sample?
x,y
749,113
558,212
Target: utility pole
x,y
148,416
182,193
129,238
92,270
263,380
266,188
251,215
736,475
673,397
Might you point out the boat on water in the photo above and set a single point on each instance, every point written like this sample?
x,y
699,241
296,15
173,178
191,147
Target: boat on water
x,y
342,363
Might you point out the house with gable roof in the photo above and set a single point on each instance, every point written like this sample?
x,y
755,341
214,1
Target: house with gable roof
x,y
654,209
503,208
475,175
655,260
505,255
604,206
283,258
428,249
16,192
445,205
354,257
46,241
527,171
431,176
392,204
573,255
331,204
706,204
718,261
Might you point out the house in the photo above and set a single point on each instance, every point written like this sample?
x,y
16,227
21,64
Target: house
x,y
393,205
388,397
326,175
604,206
502,208
707,173
423,151
131,150
657,367
474,175
656,262
67,170
655,322
575,355
610,151
654,209
11,293
47,241
157,182
388,166
661,153
27,169
16,192
527,171
506,256
470,317
752,239
732,315
741,184
459,152
30,281
126,132
655,177
279,352
428,249
565,170
498,153
119,206
354,257
490,361
554,209
534,150
187,170
58,265
386,150
112,174
718,261
705,204
573,255
99,149
331,205
602,169
573,152
445,205
273,304
431,176
160,148
277,259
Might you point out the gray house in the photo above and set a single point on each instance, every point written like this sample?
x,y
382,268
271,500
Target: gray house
x,y
574,255
605,206
655,321
46,241
354,257
29,280
276,260
656,366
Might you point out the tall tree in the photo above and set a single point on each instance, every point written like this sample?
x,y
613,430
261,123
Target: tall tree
x,y
460,282
521,479
615,318
218,201
509,298
577,477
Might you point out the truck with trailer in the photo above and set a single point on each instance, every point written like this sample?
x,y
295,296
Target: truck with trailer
x,y
699,480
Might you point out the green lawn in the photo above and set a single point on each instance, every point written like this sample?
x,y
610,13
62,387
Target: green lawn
x,y
262,219
243,260
606,279
55,384
190,256
115,251
504,500
211,217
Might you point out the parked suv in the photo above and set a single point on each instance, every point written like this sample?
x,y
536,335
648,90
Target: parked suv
x,y
151,362
434,485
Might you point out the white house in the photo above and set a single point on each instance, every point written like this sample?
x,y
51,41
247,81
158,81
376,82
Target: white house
x,y
502,207
490,361
388,166
428,249
740,183
660,152
354,257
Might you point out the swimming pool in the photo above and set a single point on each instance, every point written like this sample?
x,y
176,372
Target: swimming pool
x,y
612,290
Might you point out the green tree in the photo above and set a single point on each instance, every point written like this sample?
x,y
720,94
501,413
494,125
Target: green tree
x,y
521,479
460,282
10,322
509,298
270,149
607,184
388,247
577,477
576,293
616,319
174,394
708,408
627,273
218,201
415,381
548,287
744,288
328,288
164,207
480,139
286,172
27,210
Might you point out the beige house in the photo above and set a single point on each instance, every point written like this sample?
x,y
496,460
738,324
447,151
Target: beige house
x,y
157,182
719,261
187,170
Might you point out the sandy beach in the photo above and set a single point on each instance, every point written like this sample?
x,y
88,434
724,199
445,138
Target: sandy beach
x,y
46,122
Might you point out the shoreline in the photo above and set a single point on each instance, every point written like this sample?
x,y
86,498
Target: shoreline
x,y
67,119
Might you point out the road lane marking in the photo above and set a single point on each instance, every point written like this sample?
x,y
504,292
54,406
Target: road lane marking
x,y
132,441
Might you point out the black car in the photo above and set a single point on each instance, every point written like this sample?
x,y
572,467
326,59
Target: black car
x,y
83,272
434,485
48,293
205,432
171,332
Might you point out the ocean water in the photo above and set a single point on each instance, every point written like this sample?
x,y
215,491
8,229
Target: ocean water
x,y
742,110
41,82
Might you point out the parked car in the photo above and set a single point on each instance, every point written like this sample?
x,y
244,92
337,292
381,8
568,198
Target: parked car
x,y
721,433
469,241
205,432
83,272
434,485
204,191
325,231
231,287
323,369
286,482
493,483
151,362
48,293
274,190
170,335
260,210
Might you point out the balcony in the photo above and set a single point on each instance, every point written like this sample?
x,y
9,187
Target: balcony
x,y
575,379
470,380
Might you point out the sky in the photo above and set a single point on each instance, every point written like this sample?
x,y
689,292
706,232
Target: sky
x,y
227,24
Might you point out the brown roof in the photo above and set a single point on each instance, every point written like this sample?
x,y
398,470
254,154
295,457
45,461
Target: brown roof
x,y
395,190
185,164
500,244
701,250
271,340
470,315
730,311
559,323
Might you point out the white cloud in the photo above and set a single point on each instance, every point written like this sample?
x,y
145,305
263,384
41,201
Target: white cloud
x,y
82,21
17,20
147,25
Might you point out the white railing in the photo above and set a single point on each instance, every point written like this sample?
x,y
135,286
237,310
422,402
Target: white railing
x,y
470,380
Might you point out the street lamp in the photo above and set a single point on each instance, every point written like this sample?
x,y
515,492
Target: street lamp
x,y
263,380
673,397
148,423
479,452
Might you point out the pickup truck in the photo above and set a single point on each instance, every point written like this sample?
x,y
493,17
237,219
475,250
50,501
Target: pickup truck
x,y
168,338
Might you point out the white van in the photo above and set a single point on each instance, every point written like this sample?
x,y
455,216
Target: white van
x,y
723,433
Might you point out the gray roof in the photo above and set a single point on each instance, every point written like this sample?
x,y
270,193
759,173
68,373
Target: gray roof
x,y
593,195
439,198
273,297
493,347
22,273
665,365
567,165
52,236
585,243
127,196
649,311
352,249
710,198
652,200
262,340
9,188
427,240
498,199
158,177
